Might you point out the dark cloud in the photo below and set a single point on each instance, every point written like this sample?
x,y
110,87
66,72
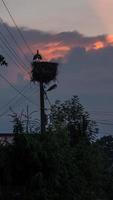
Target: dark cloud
x,y
91,71
35,36
80,59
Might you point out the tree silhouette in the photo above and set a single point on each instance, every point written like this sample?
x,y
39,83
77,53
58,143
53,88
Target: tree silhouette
x,y
71,116
2,60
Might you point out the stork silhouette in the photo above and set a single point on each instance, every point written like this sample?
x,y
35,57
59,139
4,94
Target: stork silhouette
x,y
37,56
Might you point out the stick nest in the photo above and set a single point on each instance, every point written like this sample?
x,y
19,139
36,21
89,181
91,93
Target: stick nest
x,y
43,71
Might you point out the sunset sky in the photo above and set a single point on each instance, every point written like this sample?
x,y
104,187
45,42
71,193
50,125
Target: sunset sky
x,y
78,35
87,16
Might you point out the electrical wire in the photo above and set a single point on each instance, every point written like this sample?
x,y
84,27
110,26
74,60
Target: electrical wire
x,y
19,31
13,53
108,124
16,65
14,39
18,91
7,110
101,113
13,87
4,41
11,58
12,99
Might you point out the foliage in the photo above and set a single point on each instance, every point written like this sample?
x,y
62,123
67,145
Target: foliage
x,y
55,165
105,145
18,125
71,115
24,123
48,167
2,61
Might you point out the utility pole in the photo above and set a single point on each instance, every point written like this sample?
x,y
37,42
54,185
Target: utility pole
x,y
43,72
42,109
27,120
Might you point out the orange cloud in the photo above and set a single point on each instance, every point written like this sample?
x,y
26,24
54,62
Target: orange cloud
x,y
53,50
56,49
98,45
109,39
101,44
59,50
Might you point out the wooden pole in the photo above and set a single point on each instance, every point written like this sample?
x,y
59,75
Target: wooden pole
x,y
42,109
27,120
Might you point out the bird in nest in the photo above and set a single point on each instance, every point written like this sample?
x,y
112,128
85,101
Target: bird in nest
x,y
37,56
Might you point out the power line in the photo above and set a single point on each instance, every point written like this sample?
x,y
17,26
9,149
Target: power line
x,y
12,100
13,38
109,124
12,58
18,91
105,122
4,42
9,12
9,103
12,51
101,112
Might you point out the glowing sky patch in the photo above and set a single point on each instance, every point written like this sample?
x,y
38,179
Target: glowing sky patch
x,y
51,50
98,45
55,49
104,10
109,39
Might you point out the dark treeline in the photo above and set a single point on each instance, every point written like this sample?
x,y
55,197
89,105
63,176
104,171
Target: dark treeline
x,y
65,163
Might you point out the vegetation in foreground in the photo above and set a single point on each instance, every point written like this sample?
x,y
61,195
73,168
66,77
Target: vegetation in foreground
x,y
67,162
